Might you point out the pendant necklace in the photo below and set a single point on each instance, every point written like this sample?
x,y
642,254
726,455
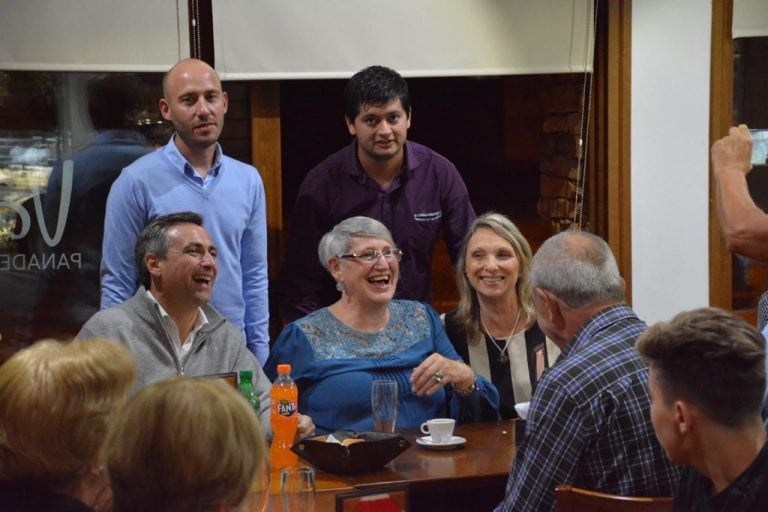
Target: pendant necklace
x,y
503,352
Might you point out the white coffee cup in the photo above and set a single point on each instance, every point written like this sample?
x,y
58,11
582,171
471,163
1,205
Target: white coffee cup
x,y
439,429
522,409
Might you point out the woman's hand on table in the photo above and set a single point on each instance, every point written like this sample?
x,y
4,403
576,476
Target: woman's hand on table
x,y
437,371
305,428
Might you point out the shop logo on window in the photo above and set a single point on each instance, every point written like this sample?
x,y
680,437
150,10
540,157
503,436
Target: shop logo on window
x,y
45,260
26,220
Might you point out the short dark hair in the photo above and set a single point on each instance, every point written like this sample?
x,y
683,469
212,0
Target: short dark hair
x,y
711,358
154,240
373,86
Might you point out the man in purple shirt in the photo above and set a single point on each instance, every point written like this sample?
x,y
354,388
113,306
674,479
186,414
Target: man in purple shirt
x,y
414,191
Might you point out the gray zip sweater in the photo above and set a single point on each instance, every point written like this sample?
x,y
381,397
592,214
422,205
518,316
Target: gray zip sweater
x,y
217,348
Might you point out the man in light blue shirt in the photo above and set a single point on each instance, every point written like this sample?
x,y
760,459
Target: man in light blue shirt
x,y
191,173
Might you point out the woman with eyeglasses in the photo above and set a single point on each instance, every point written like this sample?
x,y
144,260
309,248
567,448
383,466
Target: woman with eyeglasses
x,y
337,352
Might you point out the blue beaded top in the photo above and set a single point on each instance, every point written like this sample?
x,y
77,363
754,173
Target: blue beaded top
x,y
331,339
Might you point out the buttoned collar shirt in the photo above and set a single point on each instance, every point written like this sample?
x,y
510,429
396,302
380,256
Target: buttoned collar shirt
x,y
428,197
232,203
589,421
170,328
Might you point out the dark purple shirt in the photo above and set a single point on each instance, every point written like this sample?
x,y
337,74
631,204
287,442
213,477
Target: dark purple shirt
x,y
429,195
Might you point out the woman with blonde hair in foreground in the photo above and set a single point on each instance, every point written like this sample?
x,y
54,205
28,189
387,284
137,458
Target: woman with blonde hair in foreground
x,y
191,445
56,403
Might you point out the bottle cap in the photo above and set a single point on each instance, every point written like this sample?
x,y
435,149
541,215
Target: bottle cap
x,y
246,374
284,368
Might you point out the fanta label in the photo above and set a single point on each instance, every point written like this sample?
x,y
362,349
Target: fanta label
x,y
286,408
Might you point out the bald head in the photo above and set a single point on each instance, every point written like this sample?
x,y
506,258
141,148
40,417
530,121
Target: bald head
x,y
195,103
187,67
579,269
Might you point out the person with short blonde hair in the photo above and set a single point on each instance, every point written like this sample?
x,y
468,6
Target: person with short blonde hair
x,y
57,401
191,445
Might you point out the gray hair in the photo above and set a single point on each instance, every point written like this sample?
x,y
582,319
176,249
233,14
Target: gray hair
x,y
154,240
578,268
338,240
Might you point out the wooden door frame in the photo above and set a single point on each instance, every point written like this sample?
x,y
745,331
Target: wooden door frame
x,y
608,166
618,146
612,185
720,119
267,158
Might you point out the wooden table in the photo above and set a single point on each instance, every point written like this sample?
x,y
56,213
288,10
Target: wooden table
x,y
471,477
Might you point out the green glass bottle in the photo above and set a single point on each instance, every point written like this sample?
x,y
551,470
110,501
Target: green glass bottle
x,y
245,387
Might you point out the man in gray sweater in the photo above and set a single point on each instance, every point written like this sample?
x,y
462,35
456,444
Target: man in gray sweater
x,y
168,324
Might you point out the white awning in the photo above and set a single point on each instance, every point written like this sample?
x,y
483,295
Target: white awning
x,y
93,35
284,39
750,18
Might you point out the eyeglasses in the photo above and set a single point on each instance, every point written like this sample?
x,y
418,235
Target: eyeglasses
x,y
371,255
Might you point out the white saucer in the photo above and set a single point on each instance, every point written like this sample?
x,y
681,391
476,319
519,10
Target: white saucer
x,y
453,442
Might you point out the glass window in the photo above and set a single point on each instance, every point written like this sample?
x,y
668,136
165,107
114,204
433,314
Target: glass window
x,y
750,106
64,138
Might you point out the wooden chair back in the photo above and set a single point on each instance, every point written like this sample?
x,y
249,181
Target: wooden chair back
x,y
573,499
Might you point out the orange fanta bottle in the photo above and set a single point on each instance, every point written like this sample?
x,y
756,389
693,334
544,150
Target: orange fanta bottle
x,y
284,418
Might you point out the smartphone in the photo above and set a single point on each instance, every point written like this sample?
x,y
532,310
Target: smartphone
x,y
759,146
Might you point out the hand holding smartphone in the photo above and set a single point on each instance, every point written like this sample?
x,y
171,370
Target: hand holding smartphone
x,y
759,146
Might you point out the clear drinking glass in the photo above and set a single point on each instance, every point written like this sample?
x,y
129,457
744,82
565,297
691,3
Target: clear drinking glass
x,y
384,405
297,489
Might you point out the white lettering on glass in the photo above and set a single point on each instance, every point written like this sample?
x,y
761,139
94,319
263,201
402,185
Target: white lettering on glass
x,y
26,220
